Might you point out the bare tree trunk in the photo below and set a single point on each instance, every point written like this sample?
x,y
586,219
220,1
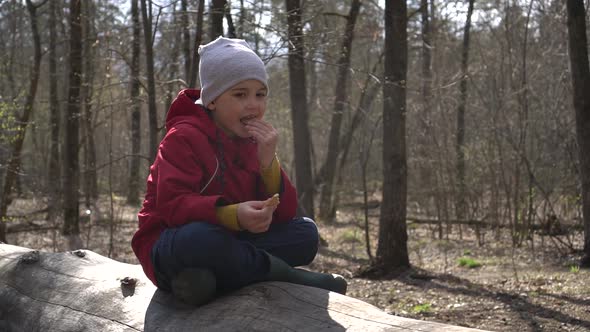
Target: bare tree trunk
x,y
521,149
365,105
186,39
460,147
299,115
179,39
364,157
194,72
578,49
14,163
231,29
426,57
425,182
133,187
6,71
146,14
71,165
12,86
392,250
366,99
216,12
261,13
88,35
241,20
53,173
327,211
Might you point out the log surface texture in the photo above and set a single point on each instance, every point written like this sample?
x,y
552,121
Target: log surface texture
x,y
84,291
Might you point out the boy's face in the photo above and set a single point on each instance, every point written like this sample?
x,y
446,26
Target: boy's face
x,y
243,102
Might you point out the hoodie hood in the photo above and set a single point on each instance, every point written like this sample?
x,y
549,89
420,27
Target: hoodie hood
x,y
184,110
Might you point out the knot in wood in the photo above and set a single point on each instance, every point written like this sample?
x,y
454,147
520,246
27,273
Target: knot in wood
x,y
30,257
262,292
79,253
128,282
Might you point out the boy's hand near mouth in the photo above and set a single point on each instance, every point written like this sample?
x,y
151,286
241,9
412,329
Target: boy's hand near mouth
x,y
266,137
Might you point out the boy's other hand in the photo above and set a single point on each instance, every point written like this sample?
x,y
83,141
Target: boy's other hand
x,y
266,137
255,216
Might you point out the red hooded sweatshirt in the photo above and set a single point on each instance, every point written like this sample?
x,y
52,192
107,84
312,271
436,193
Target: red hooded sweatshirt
x,y
199,167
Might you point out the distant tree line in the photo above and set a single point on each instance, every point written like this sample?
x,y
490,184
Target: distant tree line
x,y
462,112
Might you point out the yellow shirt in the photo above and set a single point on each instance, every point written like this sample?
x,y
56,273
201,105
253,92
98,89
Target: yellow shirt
x,y
271,176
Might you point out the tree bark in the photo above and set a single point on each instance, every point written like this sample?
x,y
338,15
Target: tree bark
x,y
71,164
173,66
365,106
53,169
14,162
580,71
194,71
84,291
88,51
186,38
460,145
146,14
392,250
134,161
426,55
231,29
241,20
216,12
366,100
327,210
423,157
299,113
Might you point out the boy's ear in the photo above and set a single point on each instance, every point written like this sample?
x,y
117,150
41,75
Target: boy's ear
x,y
211,106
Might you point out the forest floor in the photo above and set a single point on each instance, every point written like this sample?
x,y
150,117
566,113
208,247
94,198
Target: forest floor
x,y
529,288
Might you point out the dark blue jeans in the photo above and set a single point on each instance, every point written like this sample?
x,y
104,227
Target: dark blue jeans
x,y
236,259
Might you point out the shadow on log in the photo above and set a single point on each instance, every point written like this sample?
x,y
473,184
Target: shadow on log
x,y
84,291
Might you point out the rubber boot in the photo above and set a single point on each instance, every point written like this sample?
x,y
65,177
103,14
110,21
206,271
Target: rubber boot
x,y
281,271
194,286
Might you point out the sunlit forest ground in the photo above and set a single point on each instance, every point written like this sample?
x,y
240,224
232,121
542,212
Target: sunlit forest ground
x,y
535,287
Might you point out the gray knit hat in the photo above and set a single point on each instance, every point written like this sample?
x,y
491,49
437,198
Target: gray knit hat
x,y
224,63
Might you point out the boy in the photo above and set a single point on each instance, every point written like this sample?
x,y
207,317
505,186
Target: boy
x,y
219,212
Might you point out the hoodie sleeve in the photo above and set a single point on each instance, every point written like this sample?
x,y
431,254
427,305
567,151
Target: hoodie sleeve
x,y
287,208
271,177
179,175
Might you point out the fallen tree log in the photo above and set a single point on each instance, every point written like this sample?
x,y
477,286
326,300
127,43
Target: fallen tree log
x,y
84,291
